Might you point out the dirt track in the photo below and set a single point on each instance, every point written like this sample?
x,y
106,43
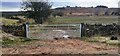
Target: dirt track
x,y
61,46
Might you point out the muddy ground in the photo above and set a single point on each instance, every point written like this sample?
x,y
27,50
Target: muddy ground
x,y
61,46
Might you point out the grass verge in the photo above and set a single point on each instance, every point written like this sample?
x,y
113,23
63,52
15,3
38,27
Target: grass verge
x,y
105,40
8,42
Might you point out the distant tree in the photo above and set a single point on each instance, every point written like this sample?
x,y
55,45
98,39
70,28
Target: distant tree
x,y
55,13
39,10
68,6
60,8
101,6
92,7
76,6
60,13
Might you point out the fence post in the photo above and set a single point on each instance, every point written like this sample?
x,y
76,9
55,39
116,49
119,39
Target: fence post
x,y
80,30
81,35
26,28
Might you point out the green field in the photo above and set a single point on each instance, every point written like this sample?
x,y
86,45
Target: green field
x,y
71,20
84,19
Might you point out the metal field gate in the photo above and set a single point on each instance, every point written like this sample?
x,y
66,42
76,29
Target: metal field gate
x,y
54,31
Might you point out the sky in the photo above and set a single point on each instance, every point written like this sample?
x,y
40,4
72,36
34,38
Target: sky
x,y
15,5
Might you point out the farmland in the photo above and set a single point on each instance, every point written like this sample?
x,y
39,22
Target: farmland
x,y
63,46
71,20
50,27
84,19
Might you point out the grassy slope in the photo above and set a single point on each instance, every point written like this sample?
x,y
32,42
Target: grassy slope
x,y
8,21
85,19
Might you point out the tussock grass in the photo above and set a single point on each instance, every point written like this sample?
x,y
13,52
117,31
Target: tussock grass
x,y
103,40
113,42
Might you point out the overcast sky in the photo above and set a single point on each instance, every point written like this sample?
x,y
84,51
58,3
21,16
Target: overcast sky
x,y
14,5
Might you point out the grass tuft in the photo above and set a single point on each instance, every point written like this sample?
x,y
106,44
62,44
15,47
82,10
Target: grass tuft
x,y
103,40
